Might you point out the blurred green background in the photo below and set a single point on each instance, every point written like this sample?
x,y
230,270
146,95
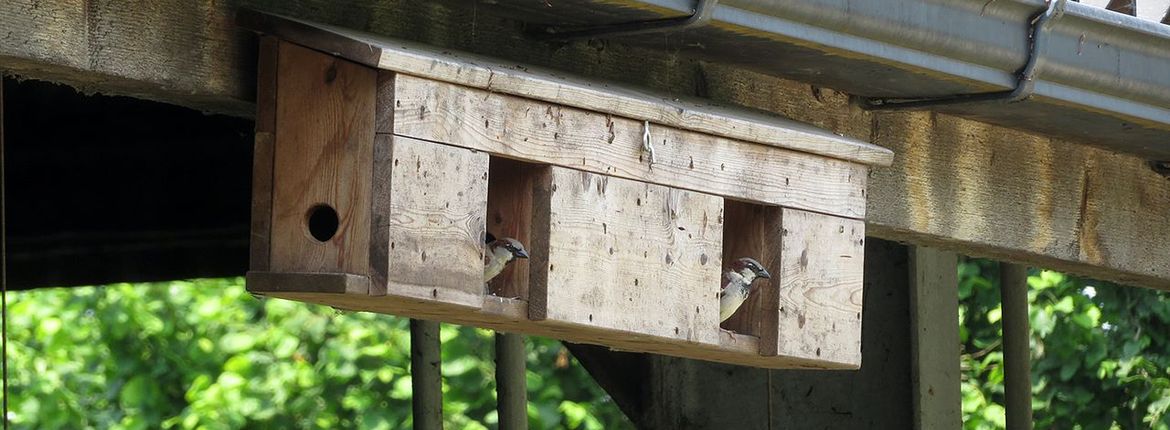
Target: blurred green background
x,y
206,354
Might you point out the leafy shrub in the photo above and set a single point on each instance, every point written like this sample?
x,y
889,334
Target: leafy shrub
x,y
206,354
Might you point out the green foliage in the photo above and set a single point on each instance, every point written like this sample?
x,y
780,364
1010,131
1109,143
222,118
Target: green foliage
x,y
206,354
1100,352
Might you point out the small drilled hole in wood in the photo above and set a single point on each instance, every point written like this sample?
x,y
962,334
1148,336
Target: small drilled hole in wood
x,y
590,317
322,222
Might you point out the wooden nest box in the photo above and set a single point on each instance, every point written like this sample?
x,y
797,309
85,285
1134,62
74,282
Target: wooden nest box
x,y
380,165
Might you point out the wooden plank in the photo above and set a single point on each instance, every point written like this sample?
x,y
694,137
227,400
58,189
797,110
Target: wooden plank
x,y
542,132
1013,196
262,153
629,257
509,209
384,118
934,339
323,153
380,192
754,231
262,282
435,225
555,87
820,288
511,315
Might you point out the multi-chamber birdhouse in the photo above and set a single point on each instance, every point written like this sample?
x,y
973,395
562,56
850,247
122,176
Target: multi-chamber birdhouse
x,y
380,165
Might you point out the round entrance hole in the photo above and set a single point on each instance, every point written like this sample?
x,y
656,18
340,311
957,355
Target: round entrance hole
x,y
323,222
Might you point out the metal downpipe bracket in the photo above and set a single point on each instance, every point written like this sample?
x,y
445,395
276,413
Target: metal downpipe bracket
x,y
699,17
1025,78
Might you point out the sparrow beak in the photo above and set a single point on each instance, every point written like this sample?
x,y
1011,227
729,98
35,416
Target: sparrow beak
x,y
764,274
521,253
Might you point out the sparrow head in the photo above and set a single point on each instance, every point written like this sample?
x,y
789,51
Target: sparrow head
x,y
511,245
750,269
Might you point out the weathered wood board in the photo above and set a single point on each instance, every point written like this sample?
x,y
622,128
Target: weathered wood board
x,y
608,144
510,315
434,215
324,139
626,256
490,74
819,288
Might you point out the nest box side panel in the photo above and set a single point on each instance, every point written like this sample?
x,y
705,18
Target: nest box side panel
x,y
820,288
322,164
435,225
627,257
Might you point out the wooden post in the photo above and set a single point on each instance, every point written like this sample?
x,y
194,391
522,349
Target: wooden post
x,y
425,375
511,385
1013,281
934,339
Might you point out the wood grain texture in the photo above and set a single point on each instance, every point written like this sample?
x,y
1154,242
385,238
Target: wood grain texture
x,y
261,282
435,225
509,210
323,152
1014,196
543,132
262,155
493,75
381,189
753,231
628,257
934,339
820,287
511,315
557,87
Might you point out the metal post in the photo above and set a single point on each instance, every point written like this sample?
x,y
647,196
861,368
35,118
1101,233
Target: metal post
x,y
425,375
1013,281
511,385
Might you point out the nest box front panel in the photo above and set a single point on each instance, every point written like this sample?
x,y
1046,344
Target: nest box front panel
x,y
626,256
430,202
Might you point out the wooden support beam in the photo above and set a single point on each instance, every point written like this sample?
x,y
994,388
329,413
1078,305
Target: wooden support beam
x,y
426,377
934,339
1017,353
511,384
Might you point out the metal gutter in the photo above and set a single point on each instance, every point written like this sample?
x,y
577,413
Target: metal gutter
x,y
1101,77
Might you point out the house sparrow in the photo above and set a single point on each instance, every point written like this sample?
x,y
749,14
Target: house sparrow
x,y
738,285
499,253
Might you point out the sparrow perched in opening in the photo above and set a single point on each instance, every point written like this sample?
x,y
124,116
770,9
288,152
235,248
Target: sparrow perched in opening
x,y
738,285
499,253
